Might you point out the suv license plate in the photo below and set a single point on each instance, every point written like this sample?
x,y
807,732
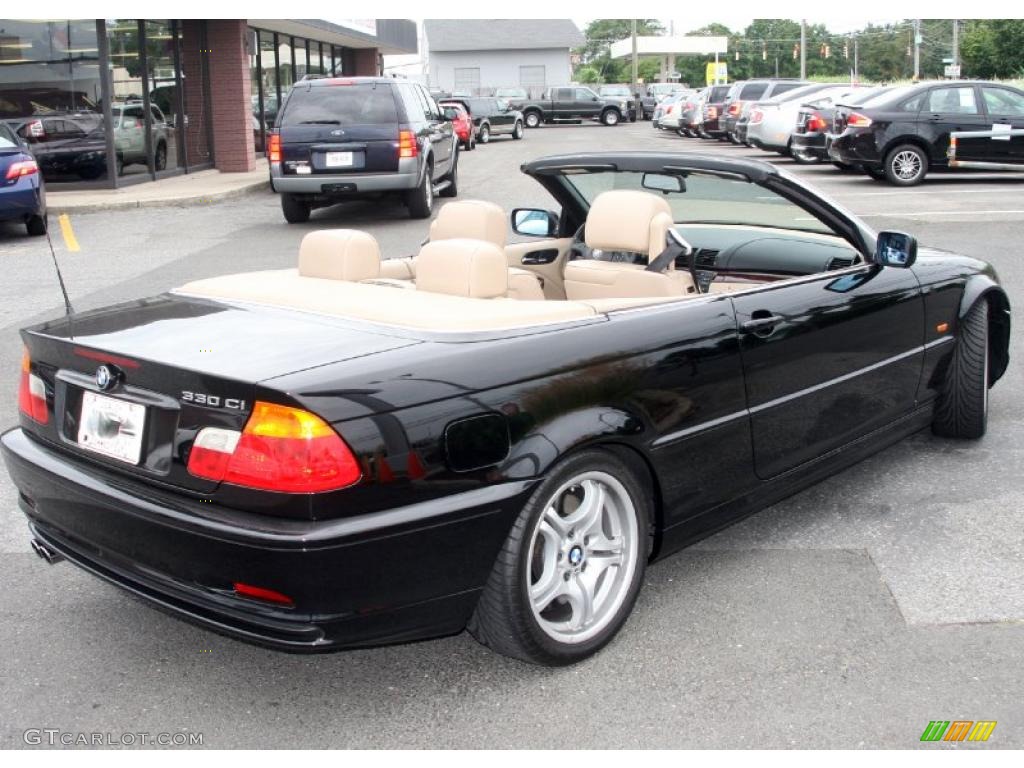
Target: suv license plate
x,y
338,159
111,427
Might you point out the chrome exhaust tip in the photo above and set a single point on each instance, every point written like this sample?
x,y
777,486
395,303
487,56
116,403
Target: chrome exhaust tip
x,y
46,553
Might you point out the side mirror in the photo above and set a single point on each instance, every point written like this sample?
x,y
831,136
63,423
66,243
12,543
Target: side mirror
x,y
534,222
595,98
895,249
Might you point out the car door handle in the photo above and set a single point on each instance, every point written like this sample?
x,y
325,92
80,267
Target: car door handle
x,y
761,325
547,256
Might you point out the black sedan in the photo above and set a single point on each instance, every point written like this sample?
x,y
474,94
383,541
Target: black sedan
x,y
904,132
810,140
353,452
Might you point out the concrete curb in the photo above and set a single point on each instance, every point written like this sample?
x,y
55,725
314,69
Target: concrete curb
x,y
55,206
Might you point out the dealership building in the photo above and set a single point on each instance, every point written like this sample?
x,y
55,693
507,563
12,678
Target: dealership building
x,y
111,102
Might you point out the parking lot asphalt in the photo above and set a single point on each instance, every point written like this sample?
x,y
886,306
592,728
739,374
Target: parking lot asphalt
x,y
849,615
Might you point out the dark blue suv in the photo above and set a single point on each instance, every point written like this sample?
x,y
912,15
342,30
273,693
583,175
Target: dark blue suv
x,y
339,138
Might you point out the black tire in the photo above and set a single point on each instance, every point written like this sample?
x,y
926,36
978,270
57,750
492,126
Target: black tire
x,y
517,132
295,210
906,165
732,138
532,119
452,190
632,117
962,408
160,157
484,136
610,117
420,201
36,225
469,145
504,619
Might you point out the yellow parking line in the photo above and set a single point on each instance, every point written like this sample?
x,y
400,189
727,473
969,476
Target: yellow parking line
x,y
70,241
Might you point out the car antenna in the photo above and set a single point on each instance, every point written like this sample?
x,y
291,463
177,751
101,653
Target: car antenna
x,y
69,310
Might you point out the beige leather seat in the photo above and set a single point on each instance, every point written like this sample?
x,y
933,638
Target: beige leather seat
x,y
475,220
474,269
627,221
339,254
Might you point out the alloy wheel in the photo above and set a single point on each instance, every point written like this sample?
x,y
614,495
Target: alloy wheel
x,y
906,165
582,557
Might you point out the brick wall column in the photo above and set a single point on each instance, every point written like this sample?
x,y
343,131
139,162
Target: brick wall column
x,y
230,94
367,63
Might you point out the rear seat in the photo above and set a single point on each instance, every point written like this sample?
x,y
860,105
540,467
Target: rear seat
x,y
474,220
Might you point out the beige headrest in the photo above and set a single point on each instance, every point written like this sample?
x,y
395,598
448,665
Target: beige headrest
x,y
339,254
462,267
628,220
473,219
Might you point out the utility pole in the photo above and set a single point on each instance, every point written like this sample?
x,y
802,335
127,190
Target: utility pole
x,y
636,62
856,58
803,49
956,42
917,50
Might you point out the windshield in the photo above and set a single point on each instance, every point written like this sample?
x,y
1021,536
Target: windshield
x,y
707,199
363,104
7,140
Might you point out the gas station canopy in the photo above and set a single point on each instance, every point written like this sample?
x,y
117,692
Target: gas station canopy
x,y
670,46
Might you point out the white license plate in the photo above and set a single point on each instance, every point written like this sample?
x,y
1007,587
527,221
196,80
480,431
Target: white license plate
x,y
111,427
338,159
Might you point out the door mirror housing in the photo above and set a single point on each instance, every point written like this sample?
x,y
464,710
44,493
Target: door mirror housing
x,y
895,249
534,222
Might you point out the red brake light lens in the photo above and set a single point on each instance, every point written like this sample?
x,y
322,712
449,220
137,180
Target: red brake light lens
x,y
31,392
734,108
815,123
756,116
407,146
857,120
21,168
712,113
282,449
274,147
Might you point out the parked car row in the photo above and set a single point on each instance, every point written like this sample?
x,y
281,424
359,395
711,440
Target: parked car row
x,y
479,119
891,133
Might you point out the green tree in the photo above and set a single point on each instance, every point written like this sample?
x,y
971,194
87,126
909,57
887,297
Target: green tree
x,y
600,34
993,48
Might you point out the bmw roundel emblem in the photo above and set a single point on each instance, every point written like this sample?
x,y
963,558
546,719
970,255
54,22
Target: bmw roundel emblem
x,y
106,377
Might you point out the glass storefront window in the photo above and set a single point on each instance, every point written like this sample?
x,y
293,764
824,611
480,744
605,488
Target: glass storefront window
x,y
255,88
127,110
50,94
163,93
314,58
286,69
271,87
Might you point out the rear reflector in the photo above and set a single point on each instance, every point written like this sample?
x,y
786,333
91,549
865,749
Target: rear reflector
x,y
21,168
259,593
407,146
281,449
31,392
274,147
858,120
756,116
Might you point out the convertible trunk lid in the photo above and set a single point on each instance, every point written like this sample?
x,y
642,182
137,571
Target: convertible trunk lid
x,y
179,364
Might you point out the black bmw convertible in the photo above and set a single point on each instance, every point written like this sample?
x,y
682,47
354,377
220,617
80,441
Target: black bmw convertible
x,y
491,435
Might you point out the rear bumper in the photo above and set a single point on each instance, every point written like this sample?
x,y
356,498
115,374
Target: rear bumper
x,y
810,145
855,149
406,177
21,200
405,574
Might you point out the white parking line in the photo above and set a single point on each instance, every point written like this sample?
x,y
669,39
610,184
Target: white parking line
x,y
937,213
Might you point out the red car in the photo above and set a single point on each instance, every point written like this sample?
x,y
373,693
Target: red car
x,y
462,121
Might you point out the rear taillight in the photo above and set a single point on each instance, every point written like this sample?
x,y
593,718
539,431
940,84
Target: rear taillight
x,y
274,147
281,449
668,110
711,112
815,123
857,120
35,129
21,168
407,146
756,116
31,392
734,108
